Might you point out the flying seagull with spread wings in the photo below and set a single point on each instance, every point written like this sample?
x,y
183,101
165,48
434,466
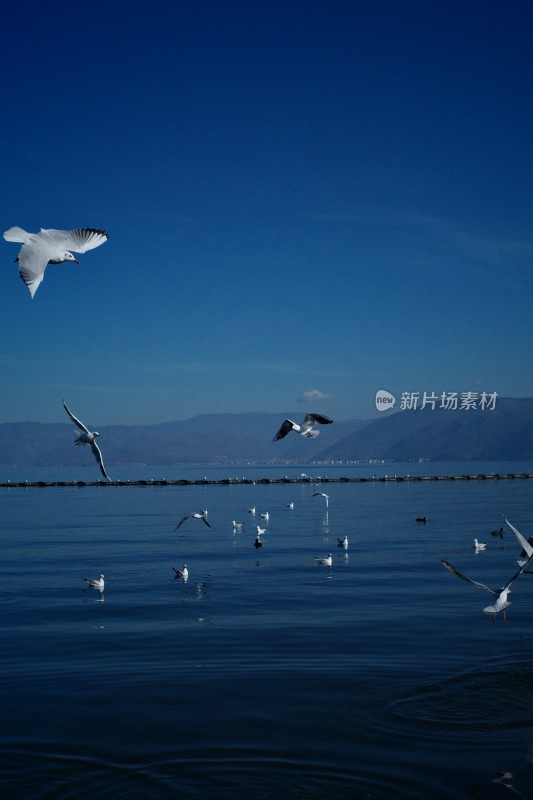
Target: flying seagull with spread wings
x,y
193,515
88,437
501,603
304,428
50,247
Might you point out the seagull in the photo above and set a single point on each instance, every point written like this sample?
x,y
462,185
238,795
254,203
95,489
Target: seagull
x,y
251,510
290,505
50,247
182,573
479,546
265,516
304,428
93,583
501,603
327,561
343,542
237,526
421,519
527,546
192,515
321,494
260,530
88,437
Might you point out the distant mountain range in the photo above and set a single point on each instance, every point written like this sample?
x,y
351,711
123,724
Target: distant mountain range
x,y
209,438
505,433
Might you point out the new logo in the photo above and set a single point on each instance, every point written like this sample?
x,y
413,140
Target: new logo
x,y
384,400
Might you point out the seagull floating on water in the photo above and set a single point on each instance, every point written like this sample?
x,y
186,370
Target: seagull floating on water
x,y
343,542
326,562
251,510
260,530
501,603
290,505
50,246
88,437
93,583
182,573
304,428
478,546
265,516
238,526
192,515
322,494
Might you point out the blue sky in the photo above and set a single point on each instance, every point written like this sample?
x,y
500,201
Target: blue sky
x,y
306,202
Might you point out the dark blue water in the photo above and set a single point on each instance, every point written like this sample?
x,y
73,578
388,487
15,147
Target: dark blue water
x,y
265,675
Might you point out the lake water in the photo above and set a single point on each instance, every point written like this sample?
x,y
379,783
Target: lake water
x,y
265,675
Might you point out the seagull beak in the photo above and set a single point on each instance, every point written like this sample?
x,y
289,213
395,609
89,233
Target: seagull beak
x,y
76,261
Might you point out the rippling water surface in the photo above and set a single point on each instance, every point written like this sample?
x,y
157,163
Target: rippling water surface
x,y
265,675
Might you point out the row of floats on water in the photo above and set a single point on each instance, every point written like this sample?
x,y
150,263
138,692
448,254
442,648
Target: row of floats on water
x,y
301,479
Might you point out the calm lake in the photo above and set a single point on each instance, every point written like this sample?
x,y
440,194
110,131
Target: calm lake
x,y
265,674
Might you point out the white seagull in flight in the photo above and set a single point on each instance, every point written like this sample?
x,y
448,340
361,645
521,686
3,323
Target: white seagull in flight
x,y
50,247
501,603
527,548
192,515
88,437
95,583
322,494
305,428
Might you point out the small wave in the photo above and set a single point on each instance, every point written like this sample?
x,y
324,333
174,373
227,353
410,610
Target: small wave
x,y
485,700
64,772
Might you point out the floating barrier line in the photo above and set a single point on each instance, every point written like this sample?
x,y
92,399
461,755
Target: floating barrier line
x,y
493,476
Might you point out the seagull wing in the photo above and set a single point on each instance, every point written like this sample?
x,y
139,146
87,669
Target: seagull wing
x,y
182,520
16,234
98,456
528,549
310,419
469,580
206,522
76,421
33,257
287,426
524,566
82,239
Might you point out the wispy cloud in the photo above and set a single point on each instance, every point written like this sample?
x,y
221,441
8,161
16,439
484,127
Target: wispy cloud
x,y
314,396
439,234
449,236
